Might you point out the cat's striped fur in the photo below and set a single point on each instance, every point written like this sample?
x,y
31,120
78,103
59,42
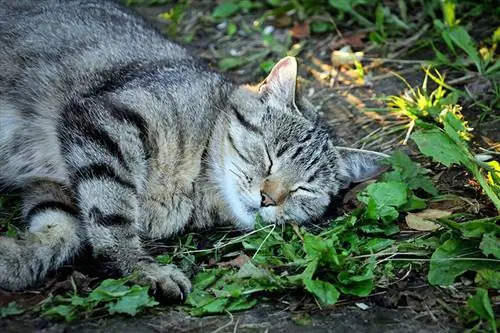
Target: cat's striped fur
x,y
114,134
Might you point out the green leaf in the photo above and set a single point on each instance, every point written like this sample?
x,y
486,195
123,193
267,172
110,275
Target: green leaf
x,y
65,311
226,64
136,300
321,249
109,290
409,172
488,279
455,257
325,292
436,144
320,26
275,3
374,245
490,244
240,304
388,230
10,310
249,270
382,199
475,228
357,284
215,306
225,9
231,28
198,298
448,8
206,278
480,304
460,37
360,288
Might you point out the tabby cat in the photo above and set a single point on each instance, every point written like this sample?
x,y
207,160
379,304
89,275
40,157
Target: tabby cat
x,y
115,134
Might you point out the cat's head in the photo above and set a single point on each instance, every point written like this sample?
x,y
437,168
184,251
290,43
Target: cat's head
x,y
276,159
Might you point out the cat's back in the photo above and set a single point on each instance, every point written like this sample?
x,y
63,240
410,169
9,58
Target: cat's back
x,y
66,44
56,52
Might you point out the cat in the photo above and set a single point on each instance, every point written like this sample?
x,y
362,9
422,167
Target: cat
x,y
115,134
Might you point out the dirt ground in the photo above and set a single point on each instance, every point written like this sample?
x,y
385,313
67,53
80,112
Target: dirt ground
x,y
407,307
264,318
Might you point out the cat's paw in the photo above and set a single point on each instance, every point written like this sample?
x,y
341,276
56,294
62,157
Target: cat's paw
x,y
165,281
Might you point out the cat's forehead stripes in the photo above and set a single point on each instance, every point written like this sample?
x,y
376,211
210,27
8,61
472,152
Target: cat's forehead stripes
x,y
245,122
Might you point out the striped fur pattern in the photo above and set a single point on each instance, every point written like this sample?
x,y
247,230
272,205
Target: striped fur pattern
x,y
115,134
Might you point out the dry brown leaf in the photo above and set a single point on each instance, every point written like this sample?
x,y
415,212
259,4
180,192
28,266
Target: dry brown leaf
x,y
421,221
239,261
300,30
354,40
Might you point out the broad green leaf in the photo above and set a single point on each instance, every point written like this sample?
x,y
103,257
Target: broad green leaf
x,y
360,288
325,292
199,298
490,244
387,230
321,249
225,9
357,284
409,172
475,228
109,289
215,306
460,37
488,279
65,311
455,257
480,304
136,300
436,144
374,245
382,199
240,304
206,278
11,310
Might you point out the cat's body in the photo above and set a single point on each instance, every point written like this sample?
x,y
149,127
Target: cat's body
x,y
115,134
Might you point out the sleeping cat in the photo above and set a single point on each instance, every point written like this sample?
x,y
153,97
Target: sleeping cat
x,y
115,134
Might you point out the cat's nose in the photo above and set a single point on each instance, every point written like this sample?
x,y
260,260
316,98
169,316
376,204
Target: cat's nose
x,y
272,193
266,200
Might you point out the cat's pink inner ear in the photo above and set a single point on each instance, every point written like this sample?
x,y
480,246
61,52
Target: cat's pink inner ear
x,y
282,80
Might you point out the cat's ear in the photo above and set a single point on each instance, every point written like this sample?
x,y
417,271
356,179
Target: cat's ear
x,y
282,81
361,165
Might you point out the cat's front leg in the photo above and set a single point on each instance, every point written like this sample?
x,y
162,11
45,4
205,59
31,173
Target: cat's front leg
x,y
110,210
105,148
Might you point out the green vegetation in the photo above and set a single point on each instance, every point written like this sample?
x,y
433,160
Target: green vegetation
x,y
400,224
111,296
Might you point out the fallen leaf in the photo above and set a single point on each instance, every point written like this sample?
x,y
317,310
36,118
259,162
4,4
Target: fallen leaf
x,y
422,221
354,40
300,30
345,56
239,261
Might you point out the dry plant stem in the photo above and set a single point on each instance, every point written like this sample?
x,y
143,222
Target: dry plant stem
x,y
410,129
